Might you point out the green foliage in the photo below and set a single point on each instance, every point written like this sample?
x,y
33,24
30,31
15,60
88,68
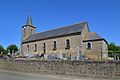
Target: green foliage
x,y
118,48
12,48
2,50
112,47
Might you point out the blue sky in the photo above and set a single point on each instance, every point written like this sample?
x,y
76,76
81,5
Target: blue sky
x,y
103,17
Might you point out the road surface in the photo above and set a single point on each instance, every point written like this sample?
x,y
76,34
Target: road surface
x,y
10,75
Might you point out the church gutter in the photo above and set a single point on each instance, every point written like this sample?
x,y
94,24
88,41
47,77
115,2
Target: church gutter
x,y
96,40
72,34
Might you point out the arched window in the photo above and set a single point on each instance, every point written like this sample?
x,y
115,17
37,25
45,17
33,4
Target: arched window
x,y
27,47
89,45
67,44
44,46
35,48
55,46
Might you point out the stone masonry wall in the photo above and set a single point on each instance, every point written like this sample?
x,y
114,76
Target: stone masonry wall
x,y
60,46
95,52
75,68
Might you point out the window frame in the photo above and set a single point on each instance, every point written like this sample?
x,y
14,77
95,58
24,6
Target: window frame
x,y
54,45
28,48
89,47
35,49
67,44
44,47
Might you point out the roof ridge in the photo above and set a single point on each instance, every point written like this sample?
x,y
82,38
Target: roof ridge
x,y
66,30
62,27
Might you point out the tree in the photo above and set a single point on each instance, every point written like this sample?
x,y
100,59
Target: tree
x,y
12,48
118,47
112,47
2,50
114,51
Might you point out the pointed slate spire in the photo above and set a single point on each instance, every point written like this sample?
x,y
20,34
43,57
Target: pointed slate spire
x,y
29,21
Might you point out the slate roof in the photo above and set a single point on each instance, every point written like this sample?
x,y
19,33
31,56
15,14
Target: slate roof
x,y
70,29
74,28
29,21
93,36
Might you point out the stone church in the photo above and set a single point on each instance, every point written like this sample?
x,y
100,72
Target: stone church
x,y
69,41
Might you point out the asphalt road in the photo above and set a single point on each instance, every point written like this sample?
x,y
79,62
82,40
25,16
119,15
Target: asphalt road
x,y
8,75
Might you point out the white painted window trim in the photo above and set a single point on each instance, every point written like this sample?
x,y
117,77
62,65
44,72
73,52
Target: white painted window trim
x,y
87,45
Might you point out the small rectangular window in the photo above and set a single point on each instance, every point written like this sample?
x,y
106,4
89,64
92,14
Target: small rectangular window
x,y
89,46
67,44
27,47
54,46
35,48
44,48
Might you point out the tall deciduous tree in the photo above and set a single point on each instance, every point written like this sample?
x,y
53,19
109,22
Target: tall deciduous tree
x,y
118,48
113,47
12,48
2,50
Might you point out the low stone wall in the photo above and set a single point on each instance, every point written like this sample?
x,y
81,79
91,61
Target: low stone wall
x,y
73,68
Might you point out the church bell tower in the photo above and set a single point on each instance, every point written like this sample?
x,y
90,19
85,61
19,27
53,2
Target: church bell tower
x,y
28,29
